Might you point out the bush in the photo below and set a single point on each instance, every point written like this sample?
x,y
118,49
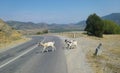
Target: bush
x,y
45,31
42,32
38,33
94,25
111,27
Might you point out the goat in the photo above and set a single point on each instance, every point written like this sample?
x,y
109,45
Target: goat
x,y
46,45
74,43
68,43
71,43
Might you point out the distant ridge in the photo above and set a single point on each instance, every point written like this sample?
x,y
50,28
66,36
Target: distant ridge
x,y
114,17
58,27
53,27
26,25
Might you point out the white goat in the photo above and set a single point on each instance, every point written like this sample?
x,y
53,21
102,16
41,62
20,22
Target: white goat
x,y
46,45
71,43
74,43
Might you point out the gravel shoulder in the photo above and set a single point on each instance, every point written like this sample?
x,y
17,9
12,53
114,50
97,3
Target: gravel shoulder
x,y
82,60
76,59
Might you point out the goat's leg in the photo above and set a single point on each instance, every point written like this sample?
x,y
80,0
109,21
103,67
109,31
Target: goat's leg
x,y
54,48
43,49
73,47
46,49
68,46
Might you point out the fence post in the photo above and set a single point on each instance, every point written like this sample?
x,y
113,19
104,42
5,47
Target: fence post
x,y
73,35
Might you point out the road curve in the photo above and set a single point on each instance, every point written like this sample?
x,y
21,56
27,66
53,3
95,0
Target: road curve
x,y
35,61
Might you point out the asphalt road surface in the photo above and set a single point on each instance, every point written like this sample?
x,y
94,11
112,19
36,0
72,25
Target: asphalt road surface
x,y
28,58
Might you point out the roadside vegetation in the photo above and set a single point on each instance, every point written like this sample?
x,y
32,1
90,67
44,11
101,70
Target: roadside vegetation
x,y
42,32
111,27
107,62
8,35
96,26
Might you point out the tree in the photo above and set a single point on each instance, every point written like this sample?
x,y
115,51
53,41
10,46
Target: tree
x,y
42,32
94,25
45,31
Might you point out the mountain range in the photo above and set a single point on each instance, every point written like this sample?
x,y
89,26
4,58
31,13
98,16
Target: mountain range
x,y
52,27
113,17
59,27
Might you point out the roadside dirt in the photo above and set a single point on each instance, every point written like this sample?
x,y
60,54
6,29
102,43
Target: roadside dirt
x,y
81,59
8,45
76,60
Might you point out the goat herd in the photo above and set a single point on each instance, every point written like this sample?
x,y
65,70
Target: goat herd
x,y
70,44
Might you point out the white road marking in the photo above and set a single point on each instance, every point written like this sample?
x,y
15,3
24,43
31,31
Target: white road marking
x,y
18,56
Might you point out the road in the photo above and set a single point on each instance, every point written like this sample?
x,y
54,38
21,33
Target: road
x,y
27,58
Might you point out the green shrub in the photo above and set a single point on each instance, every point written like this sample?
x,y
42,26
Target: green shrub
x,y
38,33
42,32
45,31
111,27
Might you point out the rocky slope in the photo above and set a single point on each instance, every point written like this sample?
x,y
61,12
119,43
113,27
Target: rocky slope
x,y
7,33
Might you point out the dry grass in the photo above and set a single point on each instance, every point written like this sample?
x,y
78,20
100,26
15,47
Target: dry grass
x,y
71,34
8,43
31,31
109,61
9,36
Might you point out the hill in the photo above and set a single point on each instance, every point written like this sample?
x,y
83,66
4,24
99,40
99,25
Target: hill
x,y
26,25
113,17
58,27
7,33
82,24
41,26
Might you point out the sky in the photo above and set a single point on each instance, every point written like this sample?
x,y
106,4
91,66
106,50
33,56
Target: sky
x,y
55,11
